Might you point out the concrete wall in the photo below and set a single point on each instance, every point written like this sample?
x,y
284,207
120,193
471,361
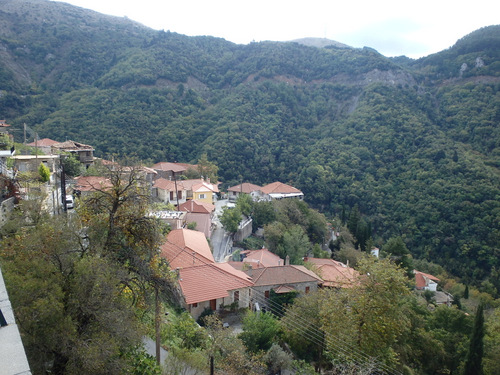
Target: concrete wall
x,y
244,230
5,208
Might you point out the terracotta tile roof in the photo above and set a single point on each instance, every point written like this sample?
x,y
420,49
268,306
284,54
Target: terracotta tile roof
x,y
197,207
72,146
262,258
233,271
45,142
322,261
195,184
279,188
210,281
164,184
186,248
280,275
92,183
166,166
334,274
421,279
245,187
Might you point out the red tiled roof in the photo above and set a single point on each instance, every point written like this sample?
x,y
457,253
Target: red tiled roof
x,y
262,258
245,187
43,143
210,281
197,207
322,261
334,274
164,184
279,188
166,166
195,184
280,275
92,183
186,248
420,279
3,124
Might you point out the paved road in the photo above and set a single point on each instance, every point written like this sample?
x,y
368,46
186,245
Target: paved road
x,y
221,242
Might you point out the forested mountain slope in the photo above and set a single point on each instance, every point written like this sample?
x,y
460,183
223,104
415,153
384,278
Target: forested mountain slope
x,y
415,143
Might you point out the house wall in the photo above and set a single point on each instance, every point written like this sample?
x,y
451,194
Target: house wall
x,y
6,208
244,299
164,196
431,285
259,291
207,196
32,165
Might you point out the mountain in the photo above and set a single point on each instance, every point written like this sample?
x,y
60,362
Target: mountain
x,y
320,42
414,143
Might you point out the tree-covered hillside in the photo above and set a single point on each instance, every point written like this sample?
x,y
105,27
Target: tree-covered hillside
x,y
415,143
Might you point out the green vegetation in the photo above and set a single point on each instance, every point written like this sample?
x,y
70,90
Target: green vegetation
x,y
418,158
86,278
413,144
405,152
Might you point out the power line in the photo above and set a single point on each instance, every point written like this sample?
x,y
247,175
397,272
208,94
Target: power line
x,y
315,335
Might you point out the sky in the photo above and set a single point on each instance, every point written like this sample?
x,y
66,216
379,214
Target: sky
x,y
392,27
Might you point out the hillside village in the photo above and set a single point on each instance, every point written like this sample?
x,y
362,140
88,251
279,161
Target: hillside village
x,y
210,279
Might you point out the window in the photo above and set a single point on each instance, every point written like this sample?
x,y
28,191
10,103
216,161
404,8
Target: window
x,y
179,194
195,304
171,195
202,196
266,294
307,289
236,296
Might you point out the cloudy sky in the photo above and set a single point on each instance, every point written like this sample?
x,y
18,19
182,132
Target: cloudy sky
x,y
392,27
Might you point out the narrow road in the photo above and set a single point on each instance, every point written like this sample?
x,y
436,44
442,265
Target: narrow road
x,y
220,240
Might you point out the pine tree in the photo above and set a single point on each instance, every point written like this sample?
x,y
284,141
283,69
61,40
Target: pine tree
x,y
473,363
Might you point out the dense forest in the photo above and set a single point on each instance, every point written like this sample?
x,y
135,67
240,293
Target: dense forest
x,y
414,144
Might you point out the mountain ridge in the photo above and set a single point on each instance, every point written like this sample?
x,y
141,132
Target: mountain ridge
x,y
414,143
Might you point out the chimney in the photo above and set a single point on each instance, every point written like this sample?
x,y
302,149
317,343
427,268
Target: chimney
x,y
287,260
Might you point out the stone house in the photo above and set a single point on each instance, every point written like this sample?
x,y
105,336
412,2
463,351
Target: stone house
x,y
281,279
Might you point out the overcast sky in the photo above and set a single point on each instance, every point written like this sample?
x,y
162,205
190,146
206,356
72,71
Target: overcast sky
x,y
392,27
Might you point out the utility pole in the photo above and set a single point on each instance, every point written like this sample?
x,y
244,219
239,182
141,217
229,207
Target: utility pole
x,y
157,325
63,185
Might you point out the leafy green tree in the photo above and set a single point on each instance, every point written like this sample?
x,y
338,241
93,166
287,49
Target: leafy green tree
x,y
368,316
399,253
84,319
245,204
474,361
277,359
72,166
492,344
207,169
451,329
302,328
44,172
260,331
230,219
295,244
227,352
263,214
279,302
